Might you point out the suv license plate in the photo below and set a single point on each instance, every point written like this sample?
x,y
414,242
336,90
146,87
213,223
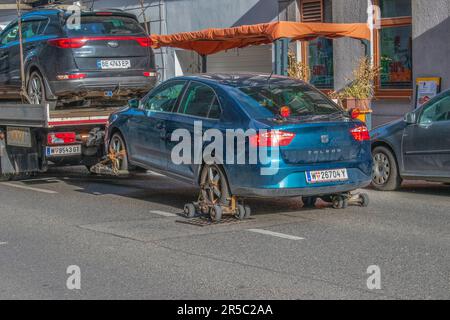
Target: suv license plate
x,y
63,151
114,64
326,176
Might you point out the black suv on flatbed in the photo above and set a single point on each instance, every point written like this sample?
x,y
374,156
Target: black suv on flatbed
x,y
108,56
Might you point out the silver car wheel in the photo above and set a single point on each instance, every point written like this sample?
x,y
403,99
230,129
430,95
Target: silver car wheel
x,y
381,169
35,92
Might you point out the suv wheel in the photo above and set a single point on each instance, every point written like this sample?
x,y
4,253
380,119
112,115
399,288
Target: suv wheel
x,y
385,175
36,88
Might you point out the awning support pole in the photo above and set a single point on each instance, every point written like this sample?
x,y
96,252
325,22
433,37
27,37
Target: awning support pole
x,y
204,63
281,47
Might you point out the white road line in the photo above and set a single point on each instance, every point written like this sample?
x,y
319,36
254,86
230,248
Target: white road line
x,y
28,188
163,213
275,234
3,243
42,179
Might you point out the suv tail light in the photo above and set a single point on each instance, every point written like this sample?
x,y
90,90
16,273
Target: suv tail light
x,y
150,74
274,138
61,138
68,43
360,133
144,41
72,76
76,43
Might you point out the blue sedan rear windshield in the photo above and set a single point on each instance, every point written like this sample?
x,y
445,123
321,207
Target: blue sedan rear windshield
x,y
302,100
104,25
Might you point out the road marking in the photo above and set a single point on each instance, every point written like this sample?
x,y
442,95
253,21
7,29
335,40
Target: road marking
x,y
3,243
42,179
28,188
163,213
275,234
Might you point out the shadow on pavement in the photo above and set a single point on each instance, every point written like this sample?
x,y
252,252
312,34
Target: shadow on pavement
x,y
155,188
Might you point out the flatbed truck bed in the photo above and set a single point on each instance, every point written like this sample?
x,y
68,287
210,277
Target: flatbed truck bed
x,y
34,136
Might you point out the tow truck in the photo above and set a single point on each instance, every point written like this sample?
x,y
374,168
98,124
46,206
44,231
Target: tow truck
x,y
32,136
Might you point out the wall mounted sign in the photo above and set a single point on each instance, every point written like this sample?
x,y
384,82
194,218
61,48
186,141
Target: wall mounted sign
x,y
426,89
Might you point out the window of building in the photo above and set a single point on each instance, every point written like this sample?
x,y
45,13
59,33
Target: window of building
x,y
393,48
318,52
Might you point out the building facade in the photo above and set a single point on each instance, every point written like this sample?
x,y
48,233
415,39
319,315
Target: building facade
x,y
412,40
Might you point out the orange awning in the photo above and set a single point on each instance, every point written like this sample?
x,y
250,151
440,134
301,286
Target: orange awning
x,y
211,41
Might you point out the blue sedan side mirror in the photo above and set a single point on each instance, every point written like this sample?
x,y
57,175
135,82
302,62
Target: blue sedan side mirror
x,y
410,118
134,103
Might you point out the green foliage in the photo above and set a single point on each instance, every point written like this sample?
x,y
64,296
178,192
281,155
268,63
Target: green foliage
x,y
362,86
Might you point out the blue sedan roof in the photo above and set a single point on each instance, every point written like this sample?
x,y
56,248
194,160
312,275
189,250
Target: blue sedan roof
x,y
242,79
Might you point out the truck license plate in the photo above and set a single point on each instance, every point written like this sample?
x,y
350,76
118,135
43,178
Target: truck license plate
x,y
18,137
63,151
114,64
326,176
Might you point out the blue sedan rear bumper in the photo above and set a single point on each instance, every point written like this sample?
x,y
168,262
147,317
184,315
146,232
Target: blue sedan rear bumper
x,y
297,192
291,181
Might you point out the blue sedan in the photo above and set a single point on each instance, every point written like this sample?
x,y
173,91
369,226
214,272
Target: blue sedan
x,y
312,147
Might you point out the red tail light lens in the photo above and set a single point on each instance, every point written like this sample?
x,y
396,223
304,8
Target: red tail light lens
x,y
61,138
273,138
76,43
360,133
144,41
68,43
149,74
72,76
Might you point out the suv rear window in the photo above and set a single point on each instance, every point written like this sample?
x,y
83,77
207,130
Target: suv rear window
x,y
105,25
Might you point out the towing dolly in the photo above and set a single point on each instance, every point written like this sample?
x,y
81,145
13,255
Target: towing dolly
x,y
216,210
340,200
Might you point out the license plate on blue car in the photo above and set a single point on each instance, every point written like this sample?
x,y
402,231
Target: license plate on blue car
x,y
326,176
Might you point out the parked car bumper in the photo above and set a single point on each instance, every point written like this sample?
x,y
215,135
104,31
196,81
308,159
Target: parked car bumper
x,y
291,182
119,87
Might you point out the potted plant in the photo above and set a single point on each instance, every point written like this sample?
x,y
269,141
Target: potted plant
x,y
297,69
359,92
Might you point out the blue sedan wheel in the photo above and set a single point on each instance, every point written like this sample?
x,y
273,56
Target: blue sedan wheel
x,y
214,185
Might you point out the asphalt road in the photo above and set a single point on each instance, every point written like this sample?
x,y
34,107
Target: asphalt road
x,y
127,239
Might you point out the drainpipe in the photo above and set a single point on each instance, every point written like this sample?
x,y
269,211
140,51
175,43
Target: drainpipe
x,y
281,47
370,50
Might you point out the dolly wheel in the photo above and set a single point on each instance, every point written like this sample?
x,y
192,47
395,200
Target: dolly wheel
x,y
309,202
240,212
248,212
338,202
364,198
189,210
216,213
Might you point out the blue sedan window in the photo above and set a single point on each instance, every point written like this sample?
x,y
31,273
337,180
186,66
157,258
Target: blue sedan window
x,y
165,98
301,99
199,100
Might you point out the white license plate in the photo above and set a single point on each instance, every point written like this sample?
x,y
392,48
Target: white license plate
x,y
63,151
19,137
326,176
114,64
